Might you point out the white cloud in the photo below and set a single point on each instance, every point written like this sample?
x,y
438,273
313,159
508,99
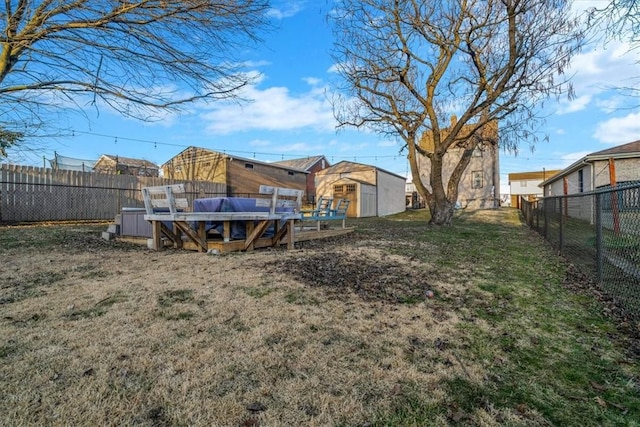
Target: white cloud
x,y
388,143
574,105
335,68
561,131
573,157
298,147
619,130
255,64
273,109
312,81
596,71
286,9
259,143
617,103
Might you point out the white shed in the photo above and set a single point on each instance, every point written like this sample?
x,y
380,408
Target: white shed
x,y
371,190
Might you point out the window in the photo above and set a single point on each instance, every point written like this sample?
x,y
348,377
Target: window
x,y
476,179
207,164
351,188
477,152
248,165
581,181
338,189
523,183
178,168
290,173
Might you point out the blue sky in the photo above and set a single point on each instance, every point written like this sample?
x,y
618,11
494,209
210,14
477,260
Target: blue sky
x,y
290,116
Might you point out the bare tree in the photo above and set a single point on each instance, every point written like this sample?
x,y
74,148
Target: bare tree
x,y
8,139
619,20
407,65
141,58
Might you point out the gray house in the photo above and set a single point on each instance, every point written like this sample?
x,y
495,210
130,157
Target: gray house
x,y
619,165
596,170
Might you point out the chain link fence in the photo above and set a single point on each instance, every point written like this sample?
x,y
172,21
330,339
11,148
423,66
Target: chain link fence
x,y
599,232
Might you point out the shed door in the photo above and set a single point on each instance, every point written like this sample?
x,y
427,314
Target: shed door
x,y
349,192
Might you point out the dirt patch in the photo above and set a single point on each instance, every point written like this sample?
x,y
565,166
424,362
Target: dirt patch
x,y
370,274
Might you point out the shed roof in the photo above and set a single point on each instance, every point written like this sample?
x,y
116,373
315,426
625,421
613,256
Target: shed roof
x,y
232,157
346,166
304,163
128,161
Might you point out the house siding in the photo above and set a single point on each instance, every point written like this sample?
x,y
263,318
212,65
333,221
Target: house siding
x,y
197,164
390,200
468,197
311,179
201,164
626,170
244,180
106,164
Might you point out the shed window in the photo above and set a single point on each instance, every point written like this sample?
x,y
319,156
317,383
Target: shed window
x,y
338,188
476,179
248,165
351,188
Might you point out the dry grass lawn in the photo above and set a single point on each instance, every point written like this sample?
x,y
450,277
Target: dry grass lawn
x,y
332,333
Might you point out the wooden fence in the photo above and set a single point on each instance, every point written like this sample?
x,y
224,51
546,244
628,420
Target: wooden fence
x,y
30,193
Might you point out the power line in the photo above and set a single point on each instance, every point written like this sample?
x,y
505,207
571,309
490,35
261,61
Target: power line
x,y
227,151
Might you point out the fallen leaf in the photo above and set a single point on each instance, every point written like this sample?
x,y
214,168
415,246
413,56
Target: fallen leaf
x,y
397,389
256,407
458,416
250,422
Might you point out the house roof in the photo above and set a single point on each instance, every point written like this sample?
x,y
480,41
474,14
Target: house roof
x,y
347,166
518,176
305,163
244,159
630,150
128,161
488,133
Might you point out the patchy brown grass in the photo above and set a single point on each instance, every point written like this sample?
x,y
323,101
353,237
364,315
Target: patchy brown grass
x,y
317,336
336,332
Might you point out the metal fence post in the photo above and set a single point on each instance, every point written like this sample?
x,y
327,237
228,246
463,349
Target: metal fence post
x,y
546,217
560,237
599,254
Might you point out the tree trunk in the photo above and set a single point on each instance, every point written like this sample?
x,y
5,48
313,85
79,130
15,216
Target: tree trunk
x,y
441,211
441,202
